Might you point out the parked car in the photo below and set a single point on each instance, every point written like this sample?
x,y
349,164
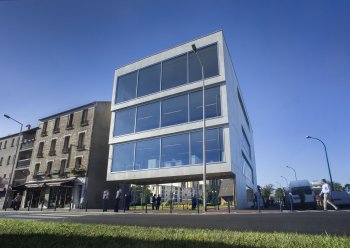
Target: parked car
x,y
302,195
340,198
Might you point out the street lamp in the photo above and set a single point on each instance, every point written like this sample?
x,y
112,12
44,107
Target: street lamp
x,y
325,149
285,180
14,161
194,48
295,173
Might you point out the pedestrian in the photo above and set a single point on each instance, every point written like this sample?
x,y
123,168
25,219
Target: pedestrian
x,y
105,198
118,195
127,200
154,201
194,202
159,199
16,202
326,192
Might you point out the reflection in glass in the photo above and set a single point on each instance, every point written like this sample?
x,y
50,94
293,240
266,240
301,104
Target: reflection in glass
x,y
209,57
148,117
147,154
175,150
214,146
174,72
123,157
124,121
174,111
212,104
149,80
126,87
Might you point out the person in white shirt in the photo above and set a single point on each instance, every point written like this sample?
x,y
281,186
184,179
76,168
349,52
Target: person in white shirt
x,y
326,195
105,198
118,196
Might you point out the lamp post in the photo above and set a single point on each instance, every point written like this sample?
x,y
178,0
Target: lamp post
x,y
325,150
14,161
285,180
194,48
295,173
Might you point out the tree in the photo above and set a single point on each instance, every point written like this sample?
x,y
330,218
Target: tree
x,y
337,186
266,191
279,193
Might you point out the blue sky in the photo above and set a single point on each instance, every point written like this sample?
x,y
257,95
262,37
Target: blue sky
x,y
292,59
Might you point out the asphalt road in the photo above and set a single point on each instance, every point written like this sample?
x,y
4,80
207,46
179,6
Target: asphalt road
x,y
310,222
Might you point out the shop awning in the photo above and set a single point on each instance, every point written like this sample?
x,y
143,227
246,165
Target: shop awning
x,y
34,185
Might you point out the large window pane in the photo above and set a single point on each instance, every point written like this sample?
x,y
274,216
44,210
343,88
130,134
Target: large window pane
x,y
174,111
174,72
123,157
126,87
147,154
209,57
124,121
175,150
149,80
148,116
212,104
197,147
214,146
246,144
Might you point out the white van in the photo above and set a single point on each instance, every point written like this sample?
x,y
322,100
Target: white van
x,y
302,189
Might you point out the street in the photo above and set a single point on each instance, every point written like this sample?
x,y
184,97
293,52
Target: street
x,y
308,222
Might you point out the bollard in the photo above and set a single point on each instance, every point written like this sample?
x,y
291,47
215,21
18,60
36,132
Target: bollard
x,y
146,207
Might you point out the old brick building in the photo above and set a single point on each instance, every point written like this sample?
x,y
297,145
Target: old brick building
x,y
69,161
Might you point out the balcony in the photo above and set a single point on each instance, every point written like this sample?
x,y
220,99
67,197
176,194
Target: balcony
x,y
40,155
27,145
23,163
52,153
56,130
69,127
65,150
81,148
84,123
40,173
55,172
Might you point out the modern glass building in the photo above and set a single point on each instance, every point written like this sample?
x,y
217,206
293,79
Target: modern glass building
x,y
156,124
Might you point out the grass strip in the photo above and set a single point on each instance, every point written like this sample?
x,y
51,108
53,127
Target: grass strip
x,y
48,234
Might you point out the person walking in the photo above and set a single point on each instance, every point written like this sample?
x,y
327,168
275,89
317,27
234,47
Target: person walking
x,y
159,199
105,198
154,200
326,192
118,195
17,202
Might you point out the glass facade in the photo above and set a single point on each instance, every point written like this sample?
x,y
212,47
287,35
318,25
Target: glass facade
x,y
149,80
246,145
147,154
168,74
123,157
171,111
209,58
175,110
126,87
124,121
148,117
247,169
169,151
175,150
